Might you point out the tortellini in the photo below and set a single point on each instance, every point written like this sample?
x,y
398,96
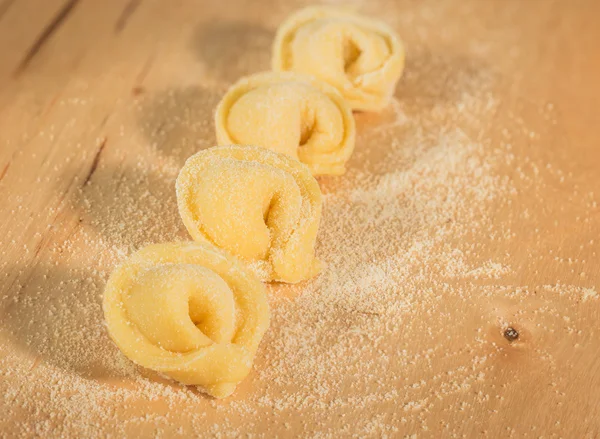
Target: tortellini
x,y
259,205
361,57
290,113
189,311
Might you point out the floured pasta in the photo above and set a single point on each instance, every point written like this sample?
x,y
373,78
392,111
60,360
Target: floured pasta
x,y
289,113
189,311
257,204
361,57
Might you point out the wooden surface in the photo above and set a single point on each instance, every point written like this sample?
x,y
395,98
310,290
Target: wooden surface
x,y
105,99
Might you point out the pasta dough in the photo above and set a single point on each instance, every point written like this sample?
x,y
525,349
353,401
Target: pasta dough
x,y
257,204
289,113
189,311
361,57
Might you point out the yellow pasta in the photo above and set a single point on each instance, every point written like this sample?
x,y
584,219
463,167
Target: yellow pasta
x,y
189,311
290,113
361,57
257,204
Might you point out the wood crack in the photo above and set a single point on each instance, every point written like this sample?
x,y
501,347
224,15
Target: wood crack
x,y
4,171
95,162
145,69
5,6
128,11
46,34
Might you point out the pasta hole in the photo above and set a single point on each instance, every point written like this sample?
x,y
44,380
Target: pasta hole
x,y
351,53
308,127
267,209
305,134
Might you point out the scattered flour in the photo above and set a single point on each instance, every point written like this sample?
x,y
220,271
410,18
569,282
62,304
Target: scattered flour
x,y
400,336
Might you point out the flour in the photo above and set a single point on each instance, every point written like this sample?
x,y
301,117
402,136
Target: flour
x,y
406,319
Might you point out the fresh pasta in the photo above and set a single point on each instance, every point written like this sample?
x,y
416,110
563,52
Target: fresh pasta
x,y
290,113
190,311
361,57
259,205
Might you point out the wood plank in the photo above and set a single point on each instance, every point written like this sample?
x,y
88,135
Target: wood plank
x,y
470,207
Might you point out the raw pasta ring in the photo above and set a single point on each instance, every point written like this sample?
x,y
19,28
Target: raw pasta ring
x,y
294,114
257,204
189,311
363,58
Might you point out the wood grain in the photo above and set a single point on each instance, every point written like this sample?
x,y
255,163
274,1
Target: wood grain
x,y
102,98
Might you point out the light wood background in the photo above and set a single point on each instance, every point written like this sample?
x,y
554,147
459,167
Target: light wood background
x,y
86,88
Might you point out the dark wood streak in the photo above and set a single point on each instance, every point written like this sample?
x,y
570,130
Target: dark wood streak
x,y
128,11
53,101
104,120
5,6
38,248
145,70
40,245
159,127
95,162
48,31
3,173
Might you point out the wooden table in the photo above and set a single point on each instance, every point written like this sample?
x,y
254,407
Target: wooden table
x,y
102,101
